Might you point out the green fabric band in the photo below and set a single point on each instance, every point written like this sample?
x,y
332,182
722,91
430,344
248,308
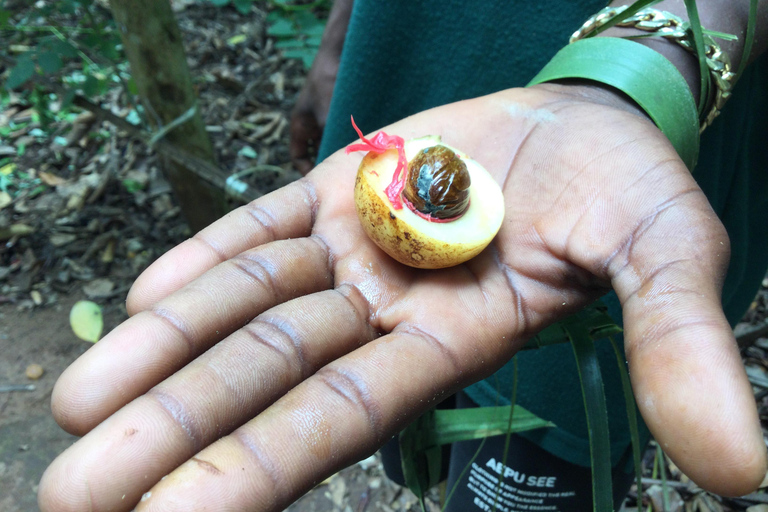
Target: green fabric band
x,y
644,75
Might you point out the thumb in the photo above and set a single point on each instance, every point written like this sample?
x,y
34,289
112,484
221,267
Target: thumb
x,y
687,374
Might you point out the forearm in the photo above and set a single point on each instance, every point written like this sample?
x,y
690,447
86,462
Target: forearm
x,y
729,16
336,28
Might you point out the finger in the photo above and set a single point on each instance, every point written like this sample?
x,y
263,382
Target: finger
x,y
686,371
114,465
340,415
285,213
159,341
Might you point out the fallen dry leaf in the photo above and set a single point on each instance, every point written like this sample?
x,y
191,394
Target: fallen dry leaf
x,y
5,199
16,230
98,288
51,179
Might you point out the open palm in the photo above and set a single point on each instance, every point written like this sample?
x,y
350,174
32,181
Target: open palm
x,y
280,344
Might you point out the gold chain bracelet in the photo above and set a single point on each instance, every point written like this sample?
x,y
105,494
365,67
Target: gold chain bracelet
x,y
673,27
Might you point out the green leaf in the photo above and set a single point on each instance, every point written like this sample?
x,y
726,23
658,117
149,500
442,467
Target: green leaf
x,y
69,96
281,28
313,41
297,53
416,460
594,317
698,41
307,60
453,425
91,86
132,186
287,44
243,6
749,38
4,17
315,30
420,442
110,47
629,401
86,320
220,3
68,6
63,48
305,20
132,87
21,72
597,415
235,40
720,35
49,62
663,470
512,401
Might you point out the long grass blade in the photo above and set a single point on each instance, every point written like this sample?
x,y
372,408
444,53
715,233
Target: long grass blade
x,y
417,457
464,472
512,401
749,38
597,416
664,487
474,456
698,41
629,400
594,317
453,425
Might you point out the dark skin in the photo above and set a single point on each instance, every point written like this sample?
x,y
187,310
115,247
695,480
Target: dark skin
x,y
309,114
279,344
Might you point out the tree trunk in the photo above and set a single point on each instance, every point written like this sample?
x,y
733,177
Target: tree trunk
x,y
153,44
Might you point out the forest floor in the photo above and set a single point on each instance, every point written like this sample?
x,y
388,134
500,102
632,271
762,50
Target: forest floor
x,y
89,210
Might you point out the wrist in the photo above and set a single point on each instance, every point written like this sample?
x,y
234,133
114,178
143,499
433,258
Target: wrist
x,y
639,72
726,16
597,93
685,62
335,31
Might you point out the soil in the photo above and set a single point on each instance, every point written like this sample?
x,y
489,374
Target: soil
x,y
94,211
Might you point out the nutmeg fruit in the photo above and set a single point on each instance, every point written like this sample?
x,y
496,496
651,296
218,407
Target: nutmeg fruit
x,y
452,207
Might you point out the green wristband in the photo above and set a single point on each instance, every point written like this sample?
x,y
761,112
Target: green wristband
x,y
642,74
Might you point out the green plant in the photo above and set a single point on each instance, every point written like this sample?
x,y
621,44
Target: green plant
x,y
298,31
13,181
296,27
70,46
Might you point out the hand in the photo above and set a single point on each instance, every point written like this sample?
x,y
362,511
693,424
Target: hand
x,y
280,344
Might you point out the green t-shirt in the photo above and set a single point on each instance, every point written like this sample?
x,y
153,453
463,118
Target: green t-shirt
x,y
403,57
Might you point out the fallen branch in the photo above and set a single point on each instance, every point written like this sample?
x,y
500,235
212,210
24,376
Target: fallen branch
x,y
202,168
746,336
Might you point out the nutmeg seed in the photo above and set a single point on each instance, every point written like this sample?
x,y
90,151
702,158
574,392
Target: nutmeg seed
x,y
438,184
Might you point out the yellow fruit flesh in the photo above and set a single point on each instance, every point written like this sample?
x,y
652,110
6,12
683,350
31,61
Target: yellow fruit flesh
x,y
413,240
